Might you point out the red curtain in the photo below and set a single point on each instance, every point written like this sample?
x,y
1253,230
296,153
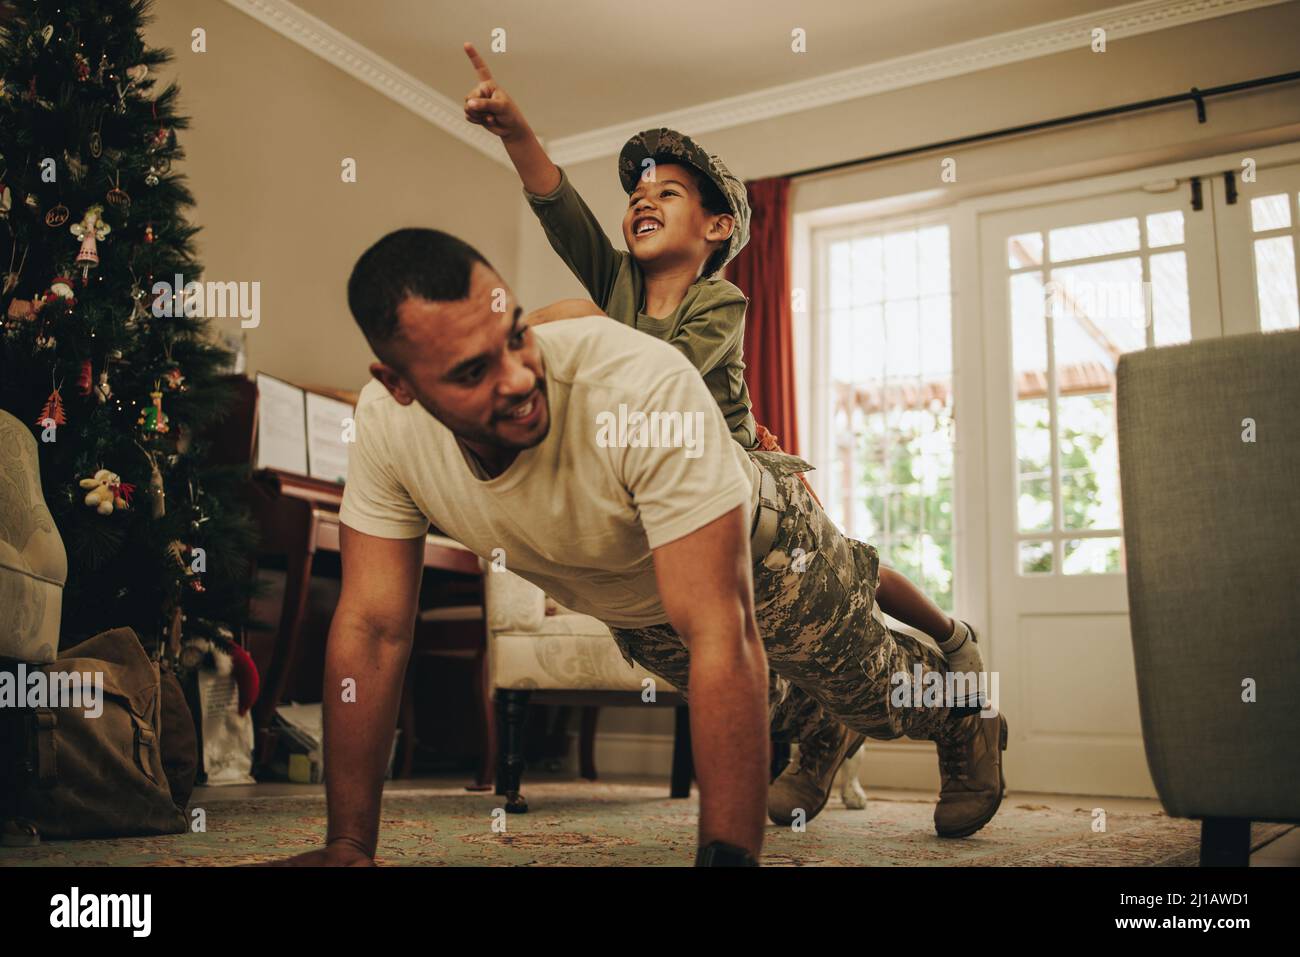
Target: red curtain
x,y
762,271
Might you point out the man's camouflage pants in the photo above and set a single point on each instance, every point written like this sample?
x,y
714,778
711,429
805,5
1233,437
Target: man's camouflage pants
x,y
830,653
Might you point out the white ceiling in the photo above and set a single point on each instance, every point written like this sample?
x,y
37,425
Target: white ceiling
x,y
578,65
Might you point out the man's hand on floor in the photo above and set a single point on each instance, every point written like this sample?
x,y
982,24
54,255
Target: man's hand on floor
x,y
336,854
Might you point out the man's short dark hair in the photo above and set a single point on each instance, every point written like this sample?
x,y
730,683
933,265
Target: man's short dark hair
x,y
424,263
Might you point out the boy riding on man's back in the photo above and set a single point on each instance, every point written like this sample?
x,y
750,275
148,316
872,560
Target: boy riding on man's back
x,y
687,217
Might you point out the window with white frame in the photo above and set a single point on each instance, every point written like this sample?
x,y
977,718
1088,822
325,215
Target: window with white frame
x,y
1274,221
883,335
1081,296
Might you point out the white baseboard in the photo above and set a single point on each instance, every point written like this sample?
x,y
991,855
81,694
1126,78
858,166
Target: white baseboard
x,y
889,764
625,753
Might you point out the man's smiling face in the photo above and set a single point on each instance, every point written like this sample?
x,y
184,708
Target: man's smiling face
x,y
475,368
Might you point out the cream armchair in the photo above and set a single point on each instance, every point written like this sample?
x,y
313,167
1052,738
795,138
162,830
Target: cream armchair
x,y
566,659
33,562
33,571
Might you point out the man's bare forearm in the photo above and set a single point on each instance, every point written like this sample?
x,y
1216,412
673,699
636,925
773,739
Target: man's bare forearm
x,y
536,171
360,717
729,738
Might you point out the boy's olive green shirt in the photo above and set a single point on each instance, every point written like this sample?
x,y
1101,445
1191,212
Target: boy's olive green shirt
x,y
708,327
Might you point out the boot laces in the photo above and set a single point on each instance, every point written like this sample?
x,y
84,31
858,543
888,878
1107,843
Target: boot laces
x,y
816,751
955,764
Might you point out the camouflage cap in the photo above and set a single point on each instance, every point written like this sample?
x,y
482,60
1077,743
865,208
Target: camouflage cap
x,y
665,142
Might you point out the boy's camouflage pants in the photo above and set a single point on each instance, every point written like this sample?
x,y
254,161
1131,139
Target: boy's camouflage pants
x,y
830,653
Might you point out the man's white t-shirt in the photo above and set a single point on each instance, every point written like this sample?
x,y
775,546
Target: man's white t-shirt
x,y
578,514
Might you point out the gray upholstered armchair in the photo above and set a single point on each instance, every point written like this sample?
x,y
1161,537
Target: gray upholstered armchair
x,y
1209,448
33,563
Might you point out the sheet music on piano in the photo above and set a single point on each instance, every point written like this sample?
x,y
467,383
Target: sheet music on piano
x,y
330,429
281,425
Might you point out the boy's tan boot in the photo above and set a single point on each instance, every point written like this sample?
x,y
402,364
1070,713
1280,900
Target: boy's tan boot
x,y
970,771
806,782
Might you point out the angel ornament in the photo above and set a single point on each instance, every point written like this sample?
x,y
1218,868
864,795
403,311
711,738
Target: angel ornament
x,y
91,228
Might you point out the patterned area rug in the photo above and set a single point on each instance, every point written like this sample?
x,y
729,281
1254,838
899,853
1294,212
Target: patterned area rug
x,y
585,824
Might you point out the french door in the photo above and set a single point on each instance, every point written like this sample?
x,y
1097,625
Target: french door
x,y
1068,287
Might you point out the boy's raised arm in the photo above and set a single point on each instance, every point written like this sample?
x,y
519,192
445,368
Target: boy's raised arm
x,y
489,106
571,228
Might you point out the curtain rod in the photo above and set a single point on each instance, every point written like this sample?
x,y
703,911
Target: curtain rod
x,y
1194,95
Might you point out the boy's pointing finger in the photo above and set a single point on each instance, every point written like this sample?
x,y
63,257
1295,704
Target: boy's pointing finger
x,y
480,67
485,106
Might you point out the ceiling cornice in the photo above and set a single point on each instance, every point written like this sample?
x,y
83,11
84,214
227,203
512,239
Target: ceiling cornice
x,y
1127,20
315,35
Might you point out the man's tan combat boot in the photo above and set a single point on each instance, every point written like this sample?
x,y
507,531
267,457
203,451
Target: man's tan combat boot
x,y
805,784
970,769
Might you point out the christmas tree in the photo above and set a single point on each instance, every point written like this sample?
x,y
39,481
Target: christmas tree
x,y
118,391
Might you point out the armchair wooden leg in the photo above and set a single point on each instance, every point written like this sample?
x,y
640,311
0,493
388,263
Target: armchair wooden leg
x,y
587,743
512,716
683,761
486,724
1225,842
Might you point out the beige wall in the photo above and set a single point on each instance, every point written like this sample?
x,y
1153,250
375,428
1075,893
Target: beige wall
x,y
1205,54
271,124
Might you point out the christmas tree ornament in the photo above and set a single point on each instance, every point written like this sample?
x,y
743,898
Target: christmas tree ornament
x,y
44,36
117,197
103,391
107,492
157,491
7,201
91,228
194,651
85,378
31,96
101,69
158,139
76,168
148,233
44,340
20,310
11,274
52,410
182,554
152,417
136,74
33,203
57,216
82,66
61,288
